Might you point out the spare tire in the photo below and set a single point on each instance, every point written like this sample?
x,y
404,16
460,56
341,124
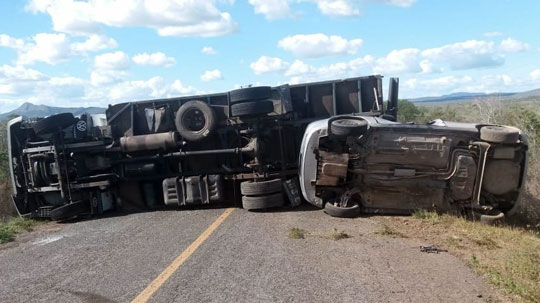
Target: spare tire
x,y
348,127
253,108
53,123
262,202
250,93
195,120
251,188
499,134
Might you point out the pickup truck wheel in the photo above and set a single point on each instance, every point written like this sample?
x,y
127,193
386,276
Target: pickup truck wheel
x,y
250,93
262,202
69,211
53,123
195,120
253,108
499,134
342,212
252,188
348,127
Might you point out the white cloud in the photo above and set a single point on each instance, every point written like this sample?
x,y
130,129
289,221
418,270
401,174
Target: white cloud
x,y
400,61
114,61
513,46
208,50
347,8
299,68
54,48
302,72
441,83
268,65
48,48
179,88
155,59
167,17
66,81
338,8
211,75
465,55
154,87
400,3
20,73
8,41
94,43
319,45
535,75
493,34
109,68
272,9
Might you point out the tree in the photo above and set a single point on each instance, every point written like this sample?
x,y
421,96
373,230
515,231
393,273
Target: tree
x,y
408,112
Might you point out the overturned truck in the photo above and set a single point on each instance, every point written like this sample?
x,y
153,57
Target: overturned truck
x,y
334,144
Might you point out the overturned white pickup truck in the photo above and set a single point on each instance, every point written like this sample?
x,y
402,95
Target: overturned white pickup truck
x,y
358,163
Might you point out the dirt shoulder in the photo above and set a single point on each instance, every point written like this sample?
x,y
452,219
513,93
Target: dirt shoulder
x,y
506,257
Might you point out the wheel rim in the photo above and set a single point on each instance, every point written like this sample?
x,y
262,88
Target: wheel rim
x,y
194,120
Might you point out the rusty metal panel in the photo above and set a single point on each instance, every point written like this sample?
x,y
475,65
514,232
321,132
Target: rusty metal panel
x,y
332,168
347,97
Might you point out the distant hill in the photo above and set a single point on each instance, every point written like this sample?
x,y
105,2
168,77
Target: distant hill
x,y
462,97
527,94
33,110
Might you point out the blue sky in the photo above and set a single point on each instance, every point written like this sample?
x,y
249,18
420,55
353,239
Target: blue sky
x,y
92,53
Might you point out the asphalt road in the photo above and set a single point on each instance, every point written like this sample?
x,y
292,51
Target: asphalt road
x,y
248,258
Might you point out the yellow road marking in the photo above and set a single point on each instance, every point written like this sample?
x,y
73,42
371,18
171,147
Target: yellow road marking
x,y
167,273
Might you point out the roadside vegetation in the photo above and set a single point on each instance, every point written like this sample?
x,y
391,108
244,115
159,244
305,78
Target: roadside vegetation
x,y
13,226
507,257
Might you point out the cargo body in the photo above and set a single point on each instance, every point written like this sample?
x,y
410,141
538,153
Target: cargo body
x,y
184,151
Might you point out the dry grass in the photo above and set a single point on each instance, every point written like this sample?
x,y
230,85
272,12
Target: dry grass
x,y
10,228
6,207
297,233
388,230
506,257
338,235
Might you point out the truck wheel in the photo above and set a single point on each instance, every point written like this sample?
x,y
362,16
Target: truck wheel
x,y
53,123
250,93
71,210
251,188
252,108
262,202
348,127
342,212
499,134
195,120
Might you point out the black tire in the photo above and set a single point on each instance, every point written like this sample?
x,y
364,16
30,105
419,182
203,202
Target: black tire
x,y
53,123
348,127
262,202
195,120
71,210
251,188
342,212
250,93
499,134
253,108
